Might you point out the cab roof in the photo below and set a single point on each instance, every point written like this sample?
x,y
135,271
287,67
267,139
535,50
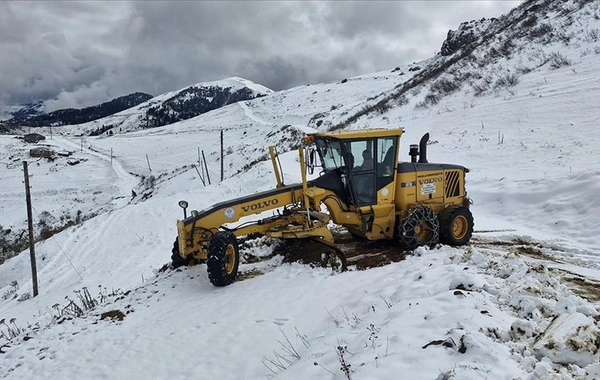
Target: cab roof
x,y
359,133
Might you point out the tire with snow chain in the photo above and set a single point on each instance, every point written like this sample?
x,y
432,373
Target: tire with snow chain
x,y
223,258
456,226
419,227
176,259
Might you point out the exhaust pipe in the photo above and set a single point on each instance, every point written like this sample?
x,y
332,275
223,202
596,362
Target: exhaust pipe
x,y
413,152
423,148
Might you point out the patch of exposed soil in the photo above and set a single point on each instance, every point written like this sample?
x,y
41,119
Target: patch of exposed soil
x,y
533,251
241,276
584,288
518,246
113,314
362,253
369,254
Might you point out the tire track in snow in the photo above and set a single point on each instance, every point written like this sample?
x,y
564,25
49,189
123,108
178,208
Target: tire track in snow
x,y
250,115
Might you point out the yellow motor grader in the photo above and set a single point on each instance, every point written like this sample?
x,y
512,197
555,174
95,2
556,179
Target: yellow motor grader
x,y
361,186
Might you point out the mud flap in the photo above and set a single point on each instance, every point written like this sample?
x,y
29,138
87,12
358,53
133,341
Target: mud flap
x,y
367,221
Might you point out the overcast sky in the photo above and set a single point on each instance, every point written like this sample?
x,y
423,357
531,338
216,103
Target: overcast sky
x,y
76,54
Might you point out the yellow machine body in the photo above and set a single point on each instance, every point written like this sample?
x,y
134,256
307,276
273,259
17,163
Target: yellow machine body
x,y
374,200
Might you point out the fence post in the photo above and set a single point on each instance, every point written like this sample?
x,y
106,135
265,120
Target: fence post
x,y
206,167
222,158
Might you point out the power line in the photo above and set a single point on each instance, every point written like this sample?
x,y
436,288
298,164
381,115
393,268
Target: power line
x,y
62,250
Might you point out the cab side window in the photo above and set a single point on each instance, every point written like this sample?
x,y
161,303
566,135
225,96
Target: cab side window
x,y
386,157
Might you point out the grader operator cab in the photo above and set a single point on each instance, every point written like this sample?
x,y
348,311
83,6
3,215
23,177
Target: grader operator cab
x,y
414,203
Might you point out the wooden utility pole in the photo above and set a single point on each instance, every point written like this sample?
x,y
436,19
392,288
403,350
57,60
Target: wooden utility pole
x,y
30,225
222,156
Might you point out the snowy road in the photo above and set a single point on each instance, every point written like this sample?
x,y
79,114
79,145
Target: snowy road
x,y
125,181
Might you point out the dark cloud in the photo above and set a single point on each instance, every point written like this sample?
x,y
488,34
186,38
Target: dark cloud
x,y
75,54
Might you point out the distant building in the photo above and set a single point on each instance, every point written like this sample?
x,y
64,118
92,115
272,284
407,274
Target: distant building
x,y
33,137
41,152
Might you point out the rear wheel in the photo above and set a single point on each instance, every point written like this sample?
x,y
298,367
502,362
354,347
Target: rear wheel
x,y
419,227
456,226
223,258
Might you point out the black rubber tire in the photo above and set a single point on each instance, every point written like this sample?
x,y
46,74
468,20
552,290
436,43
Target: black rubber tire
x,y
176,259
418,228
223,248
456,226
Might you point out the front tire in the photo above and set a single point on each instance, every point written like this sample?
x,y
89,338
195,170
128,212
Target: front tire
x,y
223,258
176,259
456,226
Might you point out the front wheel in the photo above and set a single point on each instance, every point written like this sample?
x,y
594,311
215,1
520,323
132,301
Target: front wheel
x,y
176,259
223,258
456,226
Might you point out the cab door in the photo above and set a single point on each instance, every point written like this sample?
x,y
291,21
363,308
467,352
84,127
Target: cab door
x,y
363,174
372,184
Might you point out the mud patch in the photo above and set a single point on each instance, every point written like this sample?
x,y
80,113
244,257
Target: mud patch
x,y
312,252
518,246
241,276
584,288
113,315
361,253
533,251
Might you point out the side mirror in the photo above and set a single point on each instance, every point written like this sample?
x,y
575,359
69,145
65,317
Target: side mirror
x,y
310,161
184,206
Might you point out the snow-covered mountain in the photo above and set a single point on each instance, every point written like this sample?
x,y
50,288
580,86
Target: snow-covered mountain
x,y
25,119
24,110
175,106
515,102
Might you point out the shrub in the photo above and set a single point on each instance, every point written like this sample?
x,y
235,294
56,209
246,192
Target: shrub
x,y
24,297
530,21
507,80
592,35
541,30
12,291
522,69
444,86
401,100
557,60
479,88
430,99
382,107
506,48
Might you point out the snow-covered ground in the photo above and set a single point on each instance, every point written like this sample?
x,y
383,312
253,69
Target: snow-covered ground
x,y
519,304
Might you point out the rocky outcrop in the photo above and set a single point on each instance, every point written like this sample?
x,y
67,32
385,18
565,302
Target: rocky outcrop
x,y
466,33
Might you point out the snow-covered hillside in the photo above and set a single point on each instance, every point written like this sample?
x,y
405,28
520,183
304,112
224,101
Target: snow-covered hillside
x,y
522,303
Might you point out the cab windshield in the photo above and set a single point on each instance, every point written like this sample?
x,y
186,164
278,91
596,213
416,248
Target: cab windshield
x,y
331,154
